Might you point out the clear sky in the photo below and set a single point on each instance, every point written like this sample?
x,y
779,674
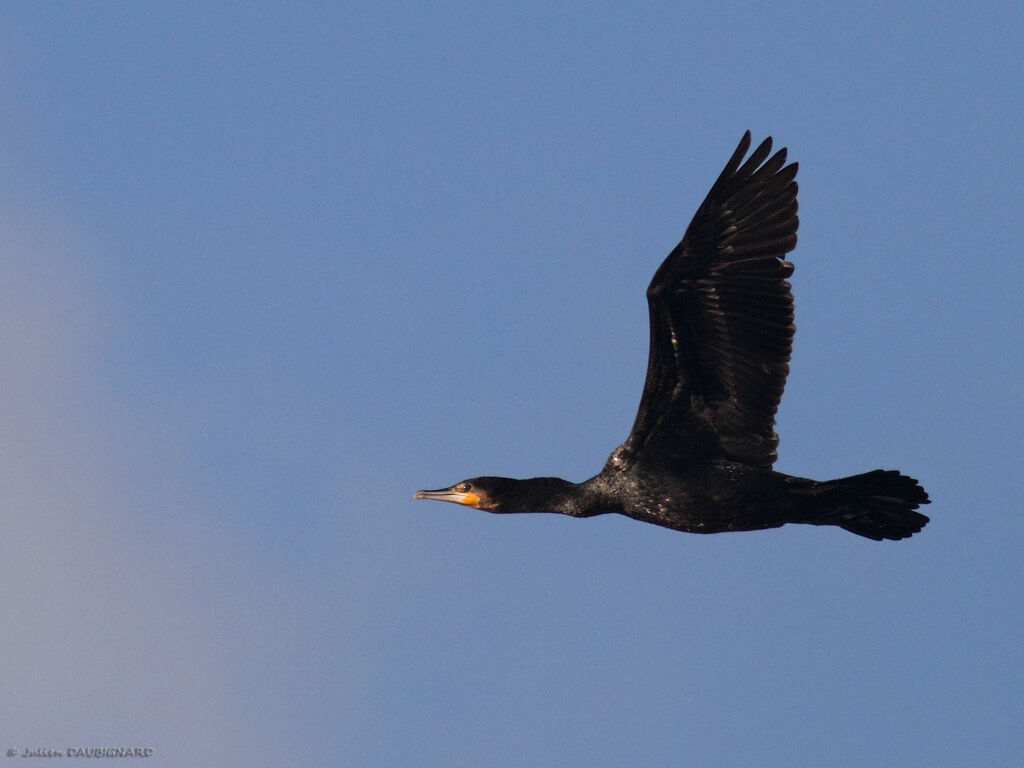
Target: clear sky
x,y
267,269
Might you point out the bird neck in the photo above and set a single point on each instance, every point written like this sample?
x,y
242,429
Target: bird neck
x,y
550,494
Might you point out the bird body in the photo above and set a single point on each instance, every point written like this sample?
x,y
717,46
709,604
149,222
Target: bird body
x,y
699,456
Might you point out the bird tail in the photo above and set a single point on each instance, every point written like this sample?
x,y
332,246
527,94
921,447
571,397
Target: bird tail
x,y
879,505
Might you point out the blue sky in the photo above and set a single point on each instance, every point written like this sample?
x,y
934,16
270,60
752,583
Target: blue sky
x,y
263,274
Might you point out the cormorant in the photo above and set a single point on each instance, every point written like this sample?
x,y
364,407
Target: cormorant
x,y
699,457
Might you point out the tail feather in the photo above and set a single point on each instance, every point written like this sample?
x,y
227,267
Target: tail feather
x,y
879,505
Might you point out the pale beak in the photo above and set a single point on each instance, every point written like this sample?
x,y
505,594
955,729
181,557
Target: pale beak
x,y
449,494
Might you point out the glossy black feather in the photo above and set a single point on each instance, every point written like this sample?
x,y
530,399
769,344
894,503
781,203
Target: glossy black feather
x,y
721,315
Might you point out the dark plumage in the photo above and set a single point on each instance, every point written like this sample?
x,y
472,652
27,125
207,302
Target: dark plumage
x,y
699,457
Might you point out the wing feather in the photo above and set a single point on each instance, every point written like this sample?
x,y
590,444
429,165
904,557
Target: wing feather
x,y
721,313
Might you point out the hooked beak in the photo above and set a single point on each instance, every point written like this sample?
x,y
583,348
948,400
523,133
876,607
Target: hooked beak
x,y
449,494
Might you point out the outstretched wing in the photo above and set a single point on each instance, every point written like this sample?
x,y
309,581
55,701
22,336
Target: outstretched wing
x,y
722,321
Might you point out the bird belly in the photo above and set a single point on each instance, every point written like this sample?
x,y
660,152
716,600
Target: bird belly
x,y
719,497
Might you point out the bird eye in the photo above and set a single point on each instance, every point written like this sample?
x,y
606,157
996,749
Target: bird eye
x,y
463,487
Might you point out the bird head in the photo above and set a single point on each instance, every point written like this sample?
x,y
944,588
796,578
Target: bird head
x,y
472,493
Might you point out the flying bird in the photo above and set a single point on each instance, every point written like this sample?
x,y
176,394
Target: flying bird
x,y
699,457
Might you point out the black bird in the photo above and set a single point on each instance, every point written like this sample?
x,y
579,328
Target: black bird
x,y
699,457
